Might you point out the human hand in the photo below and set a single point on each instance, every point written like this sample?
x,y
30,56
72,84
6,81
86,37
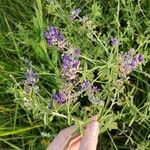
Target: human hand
x,y
87,142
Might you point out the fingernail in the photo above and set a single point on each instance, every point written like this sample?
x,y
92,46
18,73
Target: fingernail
x,y
93,128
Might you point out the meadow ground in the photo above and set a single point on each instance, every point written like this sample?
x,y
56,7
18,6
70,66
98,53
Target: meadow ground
x,y
32,72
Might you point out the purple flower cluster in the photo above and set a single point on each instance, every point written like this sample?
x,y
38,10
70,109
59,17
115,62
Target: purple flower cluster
x,y
88,87
90,91
85,84
69,68
95,89
75,13
128,61
54,37
70,65
59,97
65,93
114,41
30,77
30,80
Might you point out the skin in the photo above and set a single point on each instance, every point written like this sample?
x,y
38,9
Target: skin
x,y
88,141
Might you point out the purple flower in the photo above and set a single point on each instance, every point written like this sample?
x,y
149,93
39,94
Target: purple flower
x,y
30,77
140,57
132,64
31,73
95,89
66,58
70,66
76,52
59,97
54,37
75,63
114,41
85,84
128,61
75,13
90,91
30,81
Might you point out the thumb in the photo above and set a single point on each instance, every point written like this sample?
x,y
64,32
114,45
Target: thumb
x,y
90,139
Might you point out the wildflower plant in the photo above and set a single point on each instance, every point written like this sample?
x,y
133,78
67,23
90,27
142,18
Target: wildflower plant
x,y
73,88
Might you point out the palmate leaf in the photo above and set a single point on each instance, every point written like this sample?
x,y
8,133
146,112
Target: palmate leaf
x,y
108,122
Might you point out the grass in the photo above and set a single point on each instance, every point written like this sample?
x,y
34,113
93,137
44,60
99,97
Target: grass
x,y
124,119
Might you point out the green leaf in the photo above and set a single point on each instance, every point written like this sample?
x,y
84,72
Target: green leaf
x,y
18,131
75,107
10,144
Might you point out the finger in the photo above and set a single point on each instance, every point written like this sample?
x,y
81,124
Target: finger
x,y
90,139
61,139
